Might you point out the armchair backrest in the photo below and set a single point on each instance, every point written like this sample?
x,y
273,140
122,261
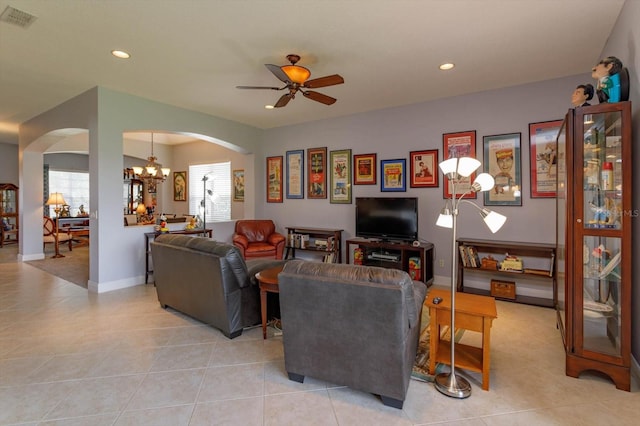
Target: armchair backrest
x,y
255,230
351,325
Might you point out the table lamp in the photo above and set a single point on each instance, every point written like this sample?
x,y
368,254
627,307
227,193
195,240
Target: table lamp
x,y
56,199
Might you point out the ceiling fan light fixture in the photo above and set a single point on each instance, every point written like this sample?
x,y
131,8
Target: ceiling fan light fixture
x,y
296,73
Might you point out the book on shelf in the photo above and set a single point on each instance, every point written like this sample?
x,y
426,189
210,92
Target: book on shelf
x,y
463,256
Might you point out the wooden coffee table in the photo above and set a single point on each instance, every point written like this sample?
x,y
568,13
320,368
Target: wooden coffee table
x,y
268,280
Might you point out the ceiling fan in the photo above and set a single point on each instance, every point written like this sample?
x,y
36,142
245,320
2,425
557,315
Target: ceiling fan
x,y
296,80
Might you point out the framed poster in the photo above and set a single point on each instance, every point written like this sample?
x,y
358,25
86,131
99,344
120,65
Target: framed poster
x,y
274,179
179,186
364,169
295,174
502,161
543,156
340,182
456,145
317,178
393,175
423,169
238,185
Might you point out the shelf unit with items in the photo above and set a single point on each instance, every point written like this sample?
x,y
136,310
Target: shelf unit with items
x,y
594,237
512,268
416,260
9,213
326,242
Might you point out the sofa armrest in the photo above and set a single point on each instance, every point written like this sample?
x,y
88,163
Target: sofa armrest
x,y
276,238
241,240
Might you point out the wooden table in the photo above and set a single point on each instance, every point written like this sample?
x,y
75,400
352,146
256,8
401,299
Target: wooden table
x,y
268,280
474,313
150,236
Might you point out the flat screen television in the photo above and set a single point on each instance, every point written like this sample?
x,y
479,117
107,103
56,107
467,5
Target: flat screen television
x,y
387,218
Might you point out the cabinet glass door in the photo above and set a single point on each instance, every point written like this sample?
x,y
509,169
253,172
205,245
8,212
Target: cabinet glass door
x,y
602,165
601,231
9,201
561,231
601,325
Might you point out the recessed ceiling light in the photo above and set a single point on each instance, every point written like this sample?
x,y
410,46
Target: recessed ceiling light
x,y
120,54
446,66
268,106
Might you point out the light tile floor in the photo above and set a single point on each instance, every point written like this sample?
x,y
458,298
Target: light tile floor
x,y
69,357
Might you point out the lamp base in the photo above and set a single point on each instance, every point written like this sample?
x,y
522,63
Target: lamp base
x,y
451,385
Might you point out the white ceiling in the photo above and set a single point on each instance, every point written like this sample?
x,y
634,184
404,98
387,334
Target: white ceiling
x,y
192,53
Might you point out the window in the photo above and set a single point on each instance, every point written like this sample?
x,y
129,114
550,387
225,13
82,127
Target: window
x,y
218,188
74,187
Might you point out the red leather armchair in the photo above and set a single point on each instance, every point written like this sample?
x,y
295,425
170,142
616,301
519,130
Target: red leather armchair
x,y
258,238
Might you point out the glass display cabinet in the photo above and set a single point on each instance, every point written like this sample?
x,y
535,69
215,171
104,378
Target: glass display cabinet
x,y
133,194
8,213
594,213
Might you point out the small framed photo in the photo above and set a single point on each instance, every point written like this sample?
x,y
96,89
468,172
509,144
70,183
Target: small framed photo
x,y
456,145
179,186
151,187
238,185
393,175
317,179
364,169
274,179
543,155
340,176
423,166
502,161
295,174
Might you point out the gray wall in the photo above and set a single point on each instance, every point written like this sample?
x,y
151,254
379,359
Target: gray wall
x,y
8,163
393,133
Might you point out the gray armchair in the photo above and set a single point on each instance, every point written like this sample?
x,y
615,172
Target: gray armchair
x,y
208,280
351,325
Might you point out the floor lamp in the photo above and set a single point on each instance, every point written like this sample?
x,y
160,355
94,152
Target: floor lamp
x,y
455,170
56,199
205,191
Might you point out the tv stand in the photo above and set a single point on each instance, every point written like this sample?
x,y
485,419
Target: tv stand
x,y
393,254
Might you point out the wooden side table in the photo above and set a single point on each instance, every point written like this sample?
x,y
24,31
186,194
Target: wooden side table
x,y
474,313
268,280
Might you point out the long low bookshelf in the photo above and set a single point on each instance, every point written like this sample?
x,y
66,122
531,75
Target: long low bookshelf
x,y
538,266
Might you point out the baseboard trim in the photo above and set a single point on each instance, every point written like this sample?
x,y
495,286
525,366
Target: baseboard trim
x,y
29,257
114,285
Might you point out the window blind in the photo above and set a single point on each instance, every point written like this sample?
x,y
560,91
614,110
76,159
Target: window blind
x,y
218,203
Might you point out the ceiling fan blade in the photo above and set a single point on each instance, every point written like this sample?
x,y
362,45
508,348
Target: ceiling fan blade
x,y
329,80
319,97
259,87
283,101
277,71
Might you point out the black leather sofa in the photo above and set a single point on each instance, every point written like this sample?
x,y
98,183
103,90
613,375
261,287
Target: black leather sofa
x,y
208,280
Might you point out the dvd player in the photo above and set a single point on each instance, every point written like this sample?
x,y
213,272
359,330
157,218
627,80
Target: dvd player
x,y
384,256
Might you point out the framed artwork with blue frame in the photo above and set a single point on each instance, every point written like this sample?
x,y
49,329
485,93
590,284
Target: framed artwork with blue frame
x,y
502,161
295,174
394,175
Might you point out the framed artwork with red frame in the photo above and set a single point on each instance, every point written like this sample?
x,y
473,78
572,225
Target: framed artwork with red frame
x,y
317,166
364,169
274,179
423,167
543,156
456,145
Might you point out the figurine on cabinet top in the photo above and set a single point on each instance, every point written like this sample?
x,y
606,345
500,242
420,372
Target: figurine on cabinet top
x,y
582,94
613,80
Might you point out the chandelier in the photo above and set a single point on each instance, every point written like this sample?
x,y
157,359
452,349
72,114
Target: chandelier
x,y
153,171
